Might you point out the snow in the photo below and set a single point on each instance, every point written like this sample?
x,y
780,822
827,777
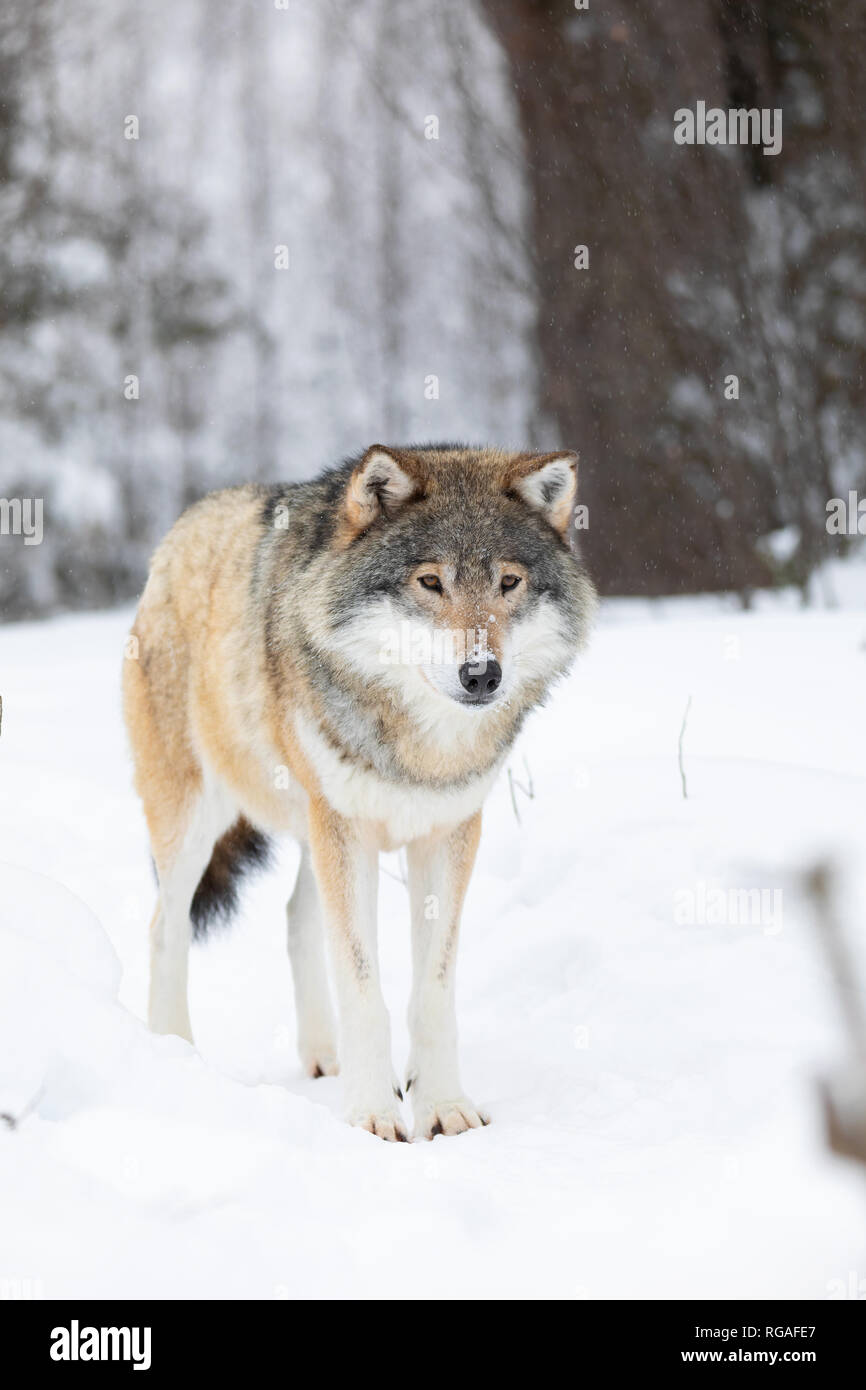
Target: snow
x,y
652,1083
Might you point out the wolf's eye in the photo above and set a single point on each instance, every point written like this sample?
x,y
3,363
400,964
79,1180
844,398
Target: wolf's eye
x,y
431,581
509,582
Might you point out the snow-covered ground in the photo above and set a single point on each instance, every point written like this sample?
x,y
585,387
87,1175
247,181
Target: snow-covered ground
x,y
651,1079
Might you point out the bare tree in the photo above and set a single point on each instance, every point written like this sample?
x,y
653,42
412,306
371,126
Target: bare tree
x,y
704,264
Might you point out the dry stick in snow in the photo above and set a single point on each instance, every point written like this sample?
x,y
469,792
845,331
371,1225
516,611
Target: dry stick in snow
x,y
387,872
682,736
403,867
402,877
13,1121
820,884
527,791
845,1119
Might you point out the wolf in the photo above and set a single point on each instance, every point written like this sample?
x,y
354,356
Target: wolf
x,y
348,661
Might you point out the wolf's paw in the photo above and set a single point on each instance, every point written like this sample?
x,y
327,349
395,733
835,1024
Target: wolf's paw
x,y
385,1124
170,1022
447,1117
319,1059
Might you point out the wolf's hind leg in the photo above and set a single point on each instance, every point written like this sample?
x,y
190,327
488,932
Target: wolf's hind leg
x,y
171,930
317,1032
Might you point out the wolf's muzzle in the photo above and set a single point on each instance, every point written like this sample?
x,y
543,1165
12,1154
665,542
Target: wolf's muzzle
x,y
481,681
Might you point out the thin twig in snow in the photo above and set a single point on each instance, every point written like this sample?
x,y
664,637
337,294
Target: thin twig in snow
x,y
820,884
403,876
527,791
13,1121
843,1097
682,736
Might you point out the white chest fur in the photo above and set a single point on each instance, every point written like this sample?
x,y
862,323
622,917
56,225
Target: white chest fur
x,y
406,812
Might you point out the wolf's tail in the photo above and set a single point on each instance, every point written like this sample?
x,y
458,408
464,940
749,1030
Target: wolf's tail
x,y
241,849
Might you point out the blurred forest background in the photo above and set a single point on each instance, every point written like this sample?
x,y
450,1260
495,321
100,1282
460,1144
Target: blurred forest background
x,y
431,289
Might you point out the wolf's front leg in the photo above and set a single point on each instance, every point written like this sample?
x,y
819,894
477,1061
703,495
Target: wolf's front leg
x,y
439,872
347,873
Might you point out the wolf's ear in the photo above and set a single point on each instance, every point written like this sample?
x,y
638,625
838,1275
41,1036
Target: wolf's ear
x,y
379,486
548,483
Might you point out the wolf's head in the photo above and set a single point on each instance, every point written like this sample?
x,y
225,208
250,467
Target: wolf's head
x,y
455,582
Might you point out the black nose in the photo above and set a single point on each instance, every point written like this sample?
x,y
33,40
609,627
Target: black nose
x,y
480,678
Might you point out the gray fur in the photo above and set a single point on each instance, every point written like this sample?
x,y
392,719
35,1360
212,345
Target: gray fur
x,y
463,522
